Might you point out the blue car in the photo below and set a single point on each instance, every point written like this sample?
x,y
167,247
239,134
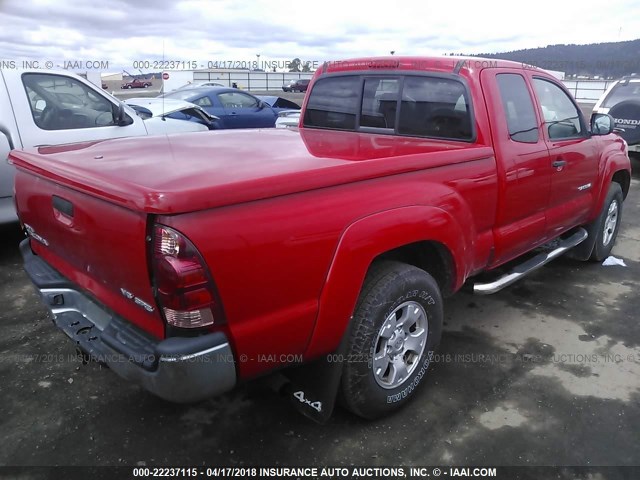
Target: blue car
x,y
234,108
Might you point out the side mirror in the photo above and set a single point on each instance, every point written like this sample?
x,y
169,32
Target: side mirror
x,y
261,105
602,124
121,117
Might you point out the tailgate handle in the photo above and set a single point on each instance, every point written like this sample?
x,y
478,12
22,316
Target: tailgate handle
x,y
63,206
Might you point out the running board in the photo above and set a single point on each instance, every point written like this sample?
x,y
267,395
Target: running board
x,y
530,265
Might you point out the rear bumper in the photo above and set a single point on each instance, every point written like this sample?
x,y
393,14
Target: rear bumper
x,y
177,369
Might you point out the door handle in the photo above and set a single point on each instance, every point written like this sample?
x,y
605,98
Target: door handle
x,y
559,163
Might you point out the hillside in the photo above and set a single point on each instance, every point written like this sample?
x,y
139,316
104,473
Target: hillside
x,y
613,59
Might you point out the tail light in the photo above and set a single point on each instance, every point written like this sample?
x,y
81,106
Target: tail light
x,y
183,285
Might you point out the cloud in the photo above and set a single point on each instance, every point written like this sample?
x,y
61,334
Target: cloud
x,y
122,31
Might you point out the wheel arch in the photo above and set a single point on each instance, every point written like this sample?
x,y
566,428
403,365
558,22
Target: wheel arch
x,y
623,177
426,237
615,168
429,255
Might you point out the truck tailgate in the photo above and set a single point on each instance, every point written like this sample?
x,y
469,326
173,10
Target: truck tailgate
x,y
98,245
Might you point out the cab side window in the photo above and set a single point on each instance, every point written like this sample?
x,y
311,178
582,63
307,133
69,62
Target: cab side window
x,y
518,108
561,116
61,103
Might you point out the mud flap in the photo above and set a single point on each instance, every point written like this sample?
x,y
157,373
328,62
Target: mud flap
x,y
583,250
313,387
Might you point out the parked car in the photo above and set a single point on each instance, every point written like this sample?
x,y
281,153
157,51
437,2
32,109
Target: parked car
x,y
278,104
173,114
189,263
296,86
288,118
45,107
234,108
622,102
136,83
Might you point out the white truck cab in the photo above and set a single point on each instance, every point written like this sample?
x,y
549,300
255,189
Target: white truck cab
x,y
45,107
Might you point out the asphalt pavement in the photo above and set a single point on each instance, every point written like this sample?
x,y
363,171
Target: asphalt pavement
x,y
546,372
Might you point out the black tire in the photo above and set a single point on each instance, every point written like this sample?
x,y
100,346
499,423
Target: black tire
x,y
389,286
604,242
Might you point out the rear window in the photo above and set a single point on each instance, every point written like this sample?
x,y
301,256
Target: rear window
x,y
188,95
621,93
421,106
380,102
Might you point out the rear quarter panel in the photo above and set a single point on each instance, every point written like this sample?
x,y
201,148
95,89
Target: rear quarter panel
x,y
271,259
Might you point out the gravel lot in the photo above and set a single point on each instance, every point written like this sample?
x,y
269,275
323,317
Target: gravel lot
x,y
546,372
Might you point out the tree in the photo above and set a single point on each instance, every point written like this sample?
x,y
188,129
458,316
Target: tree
x,y
306,67
294,65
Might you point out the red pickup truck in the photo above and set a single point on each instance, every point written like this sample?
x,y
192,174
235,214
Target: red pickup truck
x,y
189,263
136,83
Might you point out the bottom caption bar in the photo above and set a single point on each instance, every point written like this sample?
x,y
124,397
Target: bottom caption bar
x,y
317,472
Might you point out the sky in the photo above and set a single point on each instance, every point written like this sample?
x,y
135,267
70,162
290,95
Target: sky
x,y
125,32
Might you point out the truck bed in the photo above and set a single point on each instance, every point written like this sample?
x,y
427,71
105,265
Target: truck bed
x,y
222,168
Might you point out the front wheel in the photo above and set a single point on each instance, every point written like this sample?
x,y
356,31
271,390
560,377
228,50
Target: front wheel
x,y
396,327
608,224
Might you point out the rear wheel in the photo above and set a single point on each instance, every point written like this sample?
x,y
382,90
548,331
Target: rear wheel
x,y
396,328
608,224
